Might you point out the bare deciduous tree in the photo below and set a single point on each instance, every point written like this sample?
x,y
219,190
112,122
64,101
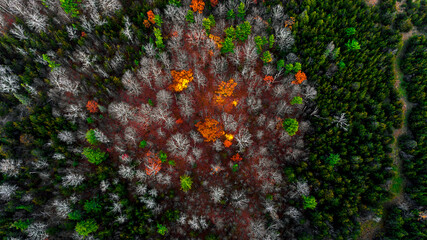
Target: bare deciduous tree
x,y
7,190
243,139
164,98
62,208
72,179
108,7
194,223
36,21
131,84
18,31
341,121
8,83
61,81
10,167
284,38
126,172
66,136
121,111
185,103
37,231
230,125
239,200
178,145
216,194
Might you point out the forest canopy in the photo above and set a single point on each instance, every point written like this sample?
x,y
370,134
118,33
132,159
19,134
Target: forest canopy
x,y
210,119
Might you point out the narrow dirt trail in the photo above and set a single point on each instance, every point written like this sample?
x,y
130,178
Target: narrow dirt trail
x,y
370,227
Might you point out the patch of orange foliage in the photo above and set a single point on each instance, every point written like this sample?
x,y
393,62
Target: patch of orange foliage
x,y
146,23
225,89
268,79
181,79
153,164
290,22
210,129
197,5
300,77
227,143
179,121
214,3
217,40
236,158
150,15
92,106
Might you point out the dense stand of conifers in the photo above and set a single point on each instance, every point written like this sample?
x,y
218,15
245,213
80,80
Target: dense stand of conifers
x,y
346,49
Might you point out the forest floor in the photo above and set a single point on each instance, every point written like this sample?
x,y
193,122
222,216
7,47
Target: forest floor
x,y
370,227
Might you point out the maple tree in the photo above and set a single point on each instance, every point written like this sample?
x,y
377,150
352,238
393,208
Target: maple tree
x,y
181,79
92,106
236,158
197,5
217,40
151,17
153,164
210,129
225,89
300,77
289,23
214,2
227,143
268,79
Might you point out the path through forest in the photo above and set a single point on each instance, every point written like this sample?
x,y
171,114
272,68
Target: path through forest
x,y
371,227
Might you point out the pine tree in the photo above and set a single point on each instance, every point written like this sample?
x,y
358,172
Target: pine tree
x,y
290,125
186,182
241,12
86,227
95,156
227,46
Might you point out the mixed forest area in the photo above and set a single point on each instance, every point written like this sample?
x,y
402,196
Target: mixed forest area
x,y
210,119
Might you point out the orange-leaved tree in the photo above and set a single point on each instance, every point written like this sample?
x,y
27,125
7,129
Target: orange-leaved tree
x,y
210,129
227,143
214,3
299,77
217,40
236,158
181,79
150,15
197,5
268,79
92,106
153,164
225,89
